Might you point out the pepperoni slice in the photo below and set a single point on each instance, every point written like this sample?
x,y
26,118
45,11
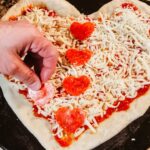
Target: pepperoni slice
x,y
42,96
82,31
76,86
78,57
70,120
129,6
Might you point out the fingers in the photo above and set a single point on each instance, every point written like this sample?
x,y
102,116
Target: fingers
x,y
43,47
49,65
46,73
20,43
48,53
43,57
19,70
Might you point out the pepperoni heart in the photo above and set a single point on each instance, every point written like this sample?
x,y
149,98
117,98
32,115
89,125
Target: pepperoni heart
x,y
82,31
76,86
42,96
78,57
70,120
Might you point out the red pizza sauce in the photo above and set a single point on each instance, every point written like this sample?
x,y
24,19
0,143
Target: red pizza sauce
x,y
66,140
23,92
123,105
13,18
129,6
36,114
29,8
26,9
51,13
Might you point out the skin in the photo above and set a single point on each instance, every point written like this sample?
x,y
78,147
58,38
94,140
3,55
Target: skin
x,y
18,38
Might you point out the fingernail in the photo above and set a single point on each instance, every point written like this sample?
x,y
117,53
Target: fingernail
x,y
35,86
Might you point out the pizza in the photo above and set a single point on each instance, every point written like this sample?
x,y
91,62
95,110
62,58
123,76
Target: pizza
x,y
102,78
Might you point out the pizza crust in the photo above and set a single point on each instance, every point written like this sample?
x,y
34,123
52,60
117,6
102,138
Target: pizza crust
x,y
39,127
108,8
62,7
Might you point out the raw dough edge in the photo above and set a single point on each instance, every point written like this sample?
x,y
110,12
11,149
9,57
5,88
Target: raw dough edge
x,y
62,7
108,8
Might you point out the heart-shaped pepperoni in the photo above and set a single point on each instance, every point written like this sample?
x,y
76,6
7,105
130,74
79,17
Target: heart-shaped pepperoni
x,y
76,86
70,120
82,31
78,57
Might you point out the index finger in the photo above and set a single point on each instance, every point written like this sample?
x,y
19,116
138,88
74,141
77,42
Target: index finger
x,y
48,53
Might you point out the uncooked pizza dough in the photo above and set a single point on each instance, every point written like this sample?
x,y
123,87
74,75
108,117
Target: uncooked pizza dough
x,y
39,127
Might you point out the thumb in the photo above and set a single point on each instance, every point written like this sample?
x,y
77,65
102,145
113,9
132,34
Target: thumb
x,y
19,70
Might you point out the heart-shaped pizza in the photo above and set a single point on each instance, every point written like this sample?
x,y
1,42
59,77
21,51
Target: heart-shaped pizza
x,y
102,78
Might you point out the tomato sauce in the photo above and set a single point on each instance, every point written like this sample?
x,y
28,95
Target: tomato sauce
x,y
129,6
27,9
13,18
36,114
65,141
23,92
52,14
123,105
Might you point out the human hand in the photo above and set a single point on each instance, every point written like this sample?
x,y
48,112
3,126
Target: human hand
x,y
16,39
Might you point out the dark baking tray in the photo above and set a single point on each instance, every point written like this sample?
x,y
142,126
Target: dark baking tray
x,y
14,136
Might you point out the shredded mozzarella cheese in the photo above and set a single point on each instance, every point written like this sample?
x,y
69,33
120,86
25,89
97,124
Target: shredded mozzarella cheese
x,y
118,68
